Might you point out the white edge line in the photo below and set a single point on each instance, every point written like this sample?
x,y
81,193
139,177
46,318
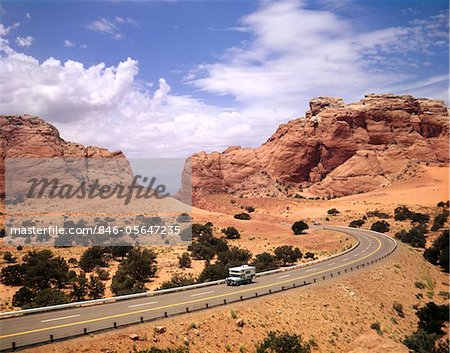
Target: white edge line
x,y
142,304
283,276
197,294
61,318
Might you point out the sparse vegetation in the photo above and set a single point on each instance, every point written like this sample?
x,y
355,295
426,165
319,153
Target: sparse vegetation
x,y
380,226
432,318
8,257
299,226
277,342
376,326
414,237
243,216
184,261
438,253
139,265
184,218
357,223
265,262
378,214
93,257
287,254
178,280
398,309
333,212
231,233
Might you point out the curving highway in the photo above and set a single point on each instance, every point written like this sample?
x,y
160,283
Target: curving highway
x,y
37,328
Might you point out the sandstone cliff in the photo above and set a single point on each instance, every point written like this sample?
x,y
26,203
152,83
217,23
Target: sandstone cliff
x,y
336,149
31,137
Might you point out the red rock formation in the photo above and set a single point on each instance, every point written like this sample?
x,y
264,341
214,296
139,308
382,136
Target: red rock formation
x,y
31,137
337,149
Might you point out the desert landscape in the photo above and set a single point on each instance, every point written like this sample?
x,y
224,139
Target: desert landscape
x,y
224,176
344,311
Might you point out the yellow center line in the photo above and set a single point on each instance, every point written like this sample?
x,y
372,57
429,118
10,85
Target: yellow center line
x,y
186,302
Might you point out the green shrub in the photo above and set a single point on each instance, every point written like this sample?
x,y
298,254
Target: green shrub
x,y
7,256
213,273
234,256
358,223
298,227
276,342
178,280
243,216
265,262
333,212
287,254
231,233
184,218
419,285
93,257
402,213
438,253
378,214
380,226
399,309
439,220
184,261
376,326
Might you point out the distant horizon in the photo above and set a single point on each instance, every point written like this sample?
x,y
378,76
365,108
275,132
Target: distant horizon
x,y
171,78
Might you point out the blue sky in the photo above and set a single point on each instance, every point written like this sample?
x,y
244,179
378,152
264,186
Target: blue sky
x,y
169,78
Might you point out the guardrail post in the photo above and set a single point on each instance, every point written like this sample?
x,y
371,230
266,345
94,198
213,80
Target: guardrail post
x,y
282,288
187,309
345,270
115,324
242,298
142,319
331,275
207,305
85,331
14,346
339,272
324,278
314,280
51,338
165,313
293,285
304,283
256,294
225,301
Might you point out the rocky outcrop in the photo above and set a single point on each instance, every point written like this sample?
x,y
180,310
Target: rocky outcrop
x,y
31,137
337,149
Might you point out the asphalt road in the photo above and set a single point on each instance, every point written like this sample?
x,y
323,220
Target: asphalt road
x,y
37,328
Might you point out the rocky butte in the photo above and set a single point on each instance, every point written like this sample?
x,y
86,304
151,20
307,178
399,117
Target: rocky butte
x,y
337,149
31,137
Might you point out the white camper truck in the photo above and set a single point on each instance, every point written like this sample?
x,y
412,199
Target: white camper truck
x,y
240,275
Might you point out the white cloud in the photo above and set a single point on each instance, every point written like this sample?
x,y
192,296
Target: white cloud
x,y
24,42
4,30
112,27
28,16
104,106
69,43
294,53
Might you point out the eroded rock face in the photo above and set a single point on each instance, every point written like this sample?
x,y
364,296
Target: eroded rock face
x,y
337,149
31,137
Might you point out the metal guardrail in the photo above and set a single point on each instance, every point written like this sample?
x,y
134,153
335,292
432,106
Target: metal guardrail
x,y
177,289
